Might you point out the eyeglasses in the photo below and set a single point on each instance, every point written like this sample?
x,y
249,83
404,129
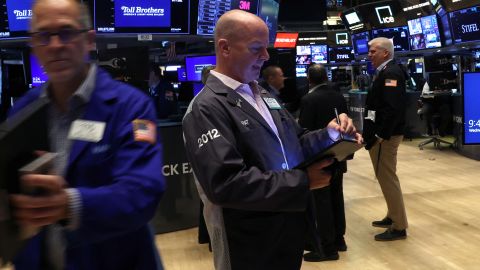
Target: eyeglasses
x,y
65,36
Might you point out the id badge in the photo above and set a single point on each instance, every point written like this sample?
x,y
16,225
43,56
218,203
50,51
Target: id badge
x,y
371,115
272,103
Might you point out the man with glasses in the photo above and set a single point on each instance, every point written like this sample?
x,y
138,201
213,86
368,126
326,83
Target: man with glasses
x,y
105,182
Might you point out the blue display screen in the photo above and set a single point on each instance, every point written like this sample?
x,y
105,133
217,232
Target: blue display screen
x,y
466,24
142,13
471,115
360,42
19,14
182,75
38,74
194,66
399,35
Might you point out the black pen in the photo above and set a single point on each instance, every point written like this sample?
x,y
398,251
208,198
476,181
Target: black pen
x,y
338,121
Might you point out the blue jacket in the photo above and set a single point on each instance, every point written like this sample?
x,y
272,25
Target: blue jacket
x,y
120,183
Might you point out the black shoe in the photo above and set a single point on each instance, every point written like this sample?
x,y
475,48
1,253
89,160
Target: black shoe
x,y
341,245
315,257
384,223
391,235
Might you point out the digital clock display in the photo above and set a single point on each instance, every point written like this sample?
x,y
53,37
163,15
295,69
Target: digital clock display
x,y
471,115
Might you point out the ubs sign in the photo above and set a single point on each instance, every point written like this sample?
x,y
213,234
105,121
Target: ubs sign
x,y
384,14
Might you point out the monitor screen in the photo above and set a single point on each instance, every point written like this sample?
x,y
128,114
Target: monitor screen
x,y
182,75
466,24
15,21
340,55
210,11
285,40
360,42
443,81
471,111
436,62
195,64
319,54
38,74
451,5
446,29
301,71
399,35
142,16
424,33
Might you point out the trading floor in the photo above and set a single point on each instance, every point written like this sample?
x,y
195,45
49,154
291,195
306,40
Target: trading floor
x,y
442,196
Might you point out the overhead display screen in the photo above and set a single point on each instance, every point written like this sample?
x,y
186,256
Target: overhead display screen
x,y
471,111
465,24
360,42
340,55
452,5
195,64
142,16
38,74
424,33
15,18
285,40
399,35
209,11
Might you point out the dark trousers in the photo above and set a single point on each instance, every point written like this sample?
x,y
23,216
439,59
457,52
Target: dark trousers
x,y
330,216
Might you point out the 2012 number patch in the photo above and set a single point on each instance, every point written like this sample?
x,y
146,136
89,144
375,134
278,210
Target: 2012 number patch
x,y
206,137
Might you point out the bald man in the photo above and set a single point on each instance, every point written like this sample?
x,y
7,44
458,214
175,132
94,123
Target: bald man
x,y
105,183
243,147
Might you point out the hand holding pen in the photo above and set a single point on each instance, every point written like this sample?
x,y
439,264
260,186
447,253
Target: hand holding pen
x,y
343,125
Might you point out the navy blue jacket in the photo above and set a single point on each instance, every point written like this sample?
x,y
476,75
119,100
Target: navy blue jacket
x,y
120,183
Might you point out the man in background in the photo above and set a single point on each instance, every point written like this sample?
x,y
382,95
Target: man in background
x,y
317,109
383,132
106,180
273,80
243,147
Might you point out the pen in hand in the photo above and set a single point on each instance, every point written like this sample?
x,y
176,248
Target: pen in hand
x,y
338,122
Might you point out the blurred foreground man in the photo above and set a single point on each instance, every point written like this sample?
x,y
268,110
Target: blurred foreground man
x,y
106,181
243,147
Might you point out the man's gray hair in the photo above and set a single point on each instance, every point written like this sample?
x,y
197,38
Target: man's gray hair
x,y
85,18
384,43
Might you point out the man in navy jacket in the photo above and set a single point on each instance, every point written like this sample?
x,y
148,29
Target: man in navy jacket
x,y
106,180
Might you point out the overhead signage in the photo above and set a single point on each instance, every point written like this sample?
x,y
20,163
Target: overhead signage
x,y
384,14
285,40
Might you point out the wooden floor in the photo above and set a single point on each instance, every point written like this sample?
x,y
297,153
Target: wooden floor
x,y
442,196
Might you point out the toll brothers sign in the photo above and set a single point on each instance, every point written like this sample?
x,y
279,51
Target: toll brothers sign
x,y
140,11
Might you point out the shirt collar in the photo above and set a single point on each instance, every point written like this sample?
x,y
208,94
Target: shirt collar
x,y
316,87
83,92
383,65
230,82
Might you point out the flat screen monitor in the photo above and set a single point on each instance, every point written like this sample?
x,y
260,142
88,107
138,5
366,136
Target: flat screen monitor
x,y
142,16
352,18
210,11
424,33
435,62
451,5
340,55
195,64
399,35
301,71
360,42
471,110
443,81
308,54
182,75
38,74
15,19
446,29
319,54
465,24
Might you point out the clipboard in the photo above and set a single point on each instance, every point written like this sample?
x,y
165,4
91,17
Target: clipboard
x,y
339,150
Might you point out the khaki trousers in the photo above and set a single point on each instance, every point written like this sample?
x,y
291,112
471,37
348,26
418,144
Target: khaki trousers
x,y
384,160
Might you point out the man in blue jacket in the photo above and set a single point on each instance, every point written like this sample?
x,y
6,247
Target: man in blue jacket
x,y
106,180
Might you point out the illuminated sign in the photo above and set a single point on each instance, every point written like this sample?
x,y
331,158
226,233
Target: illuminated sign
x,y
384,14
352,18
285,40
342,38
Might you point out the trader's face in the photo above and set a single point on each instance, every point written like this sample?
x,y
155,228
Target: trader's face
x,y
277,80
246,54
377,55
63,54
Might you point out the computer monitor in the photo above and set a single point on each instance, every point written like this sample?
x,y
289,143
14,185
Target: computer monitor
x,y
399,36
438,62
471,110
195,64
465,24
360,42
340,55
424,33
443,81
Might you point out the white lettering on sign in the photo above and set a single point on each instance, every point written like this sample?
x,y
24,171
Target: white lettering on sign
x,y
177,169
384,17
469,28
140,11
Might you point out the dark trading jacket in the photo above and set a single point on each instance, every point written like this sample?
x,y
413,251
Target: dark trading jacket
x,y
387,98
254,205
